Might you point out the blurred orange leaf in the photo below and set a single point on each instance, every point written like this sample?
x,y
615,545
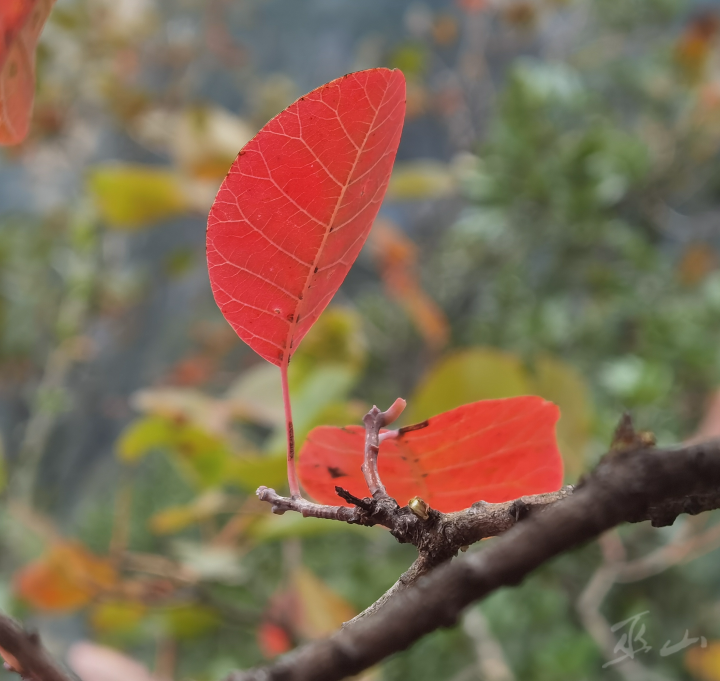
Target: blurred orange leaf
x,y
65,578
693,47
697,261
396,256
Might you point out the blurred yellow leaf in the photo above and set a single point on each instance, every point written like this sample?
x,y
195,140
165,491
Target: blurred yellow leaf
x,y
176,518
65,578
117,617
467,376
189,620
704,663
421,180
133,196
410,58
562,384
249,472
321,610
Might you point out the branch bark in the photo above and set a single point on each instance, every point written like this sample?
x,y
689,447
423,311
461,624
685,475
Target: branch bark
x,y
634,482
24,654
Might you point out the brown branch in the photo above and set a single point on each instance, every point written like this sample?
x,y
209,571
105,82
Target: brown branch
x,y
24,654
631,484
374,420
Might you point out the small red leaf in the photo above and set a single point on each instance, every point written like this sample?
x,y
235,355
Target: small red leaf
x,y
492,450
297,205
21,22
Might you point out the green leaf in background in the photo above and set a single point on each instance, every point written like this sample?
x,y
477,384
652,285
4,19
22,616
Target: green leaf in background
x,y
141,437
249,472
411,58
201,456
487,373
322,373
335,338
134,196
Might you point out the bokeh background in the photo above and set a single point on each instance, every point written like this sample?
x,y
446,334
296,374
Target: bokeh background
x,y
552,227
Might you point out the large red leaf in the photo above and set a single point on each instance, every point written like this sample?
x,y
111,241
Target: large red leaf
x,y
492,450
21,22
297,205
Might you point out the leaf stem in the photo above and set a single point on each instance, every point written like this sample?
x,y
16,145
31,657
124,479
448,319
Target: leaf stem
x,y
291,471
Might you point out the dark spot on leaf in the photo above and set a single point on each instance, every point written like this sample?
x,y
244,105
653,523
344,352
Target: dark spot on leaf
x,y
424,475
300,297
336,472
281,355
290,317
316,271
416,426
277,310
